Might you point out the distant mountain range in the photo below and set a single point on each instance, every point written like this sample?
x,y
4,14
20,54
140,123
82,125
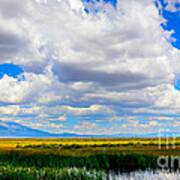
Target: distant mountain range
x,y
15,130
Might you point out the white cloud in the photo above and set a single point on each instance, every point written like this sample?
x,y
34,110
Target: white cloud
x,y
56,126
15,91
10,110
93,109
127,50
86,126
88,64
43,115
76,5
153,123
60,118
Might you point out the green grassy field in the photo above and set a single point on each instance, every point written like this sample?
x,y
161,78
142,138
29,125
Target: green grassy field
x,y
72,158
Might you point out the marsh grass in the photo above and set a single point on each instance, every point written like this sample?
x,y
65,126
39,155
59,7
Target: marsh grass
x,y
33,173
116,162
30,158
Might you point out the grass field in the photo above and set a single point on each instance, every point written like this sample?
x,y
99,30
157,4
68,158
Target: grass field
x,y
12,143
54,157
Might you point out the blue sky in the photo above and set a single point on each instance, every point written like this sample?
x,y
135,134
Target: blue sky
x,y
91,67
10,70
173,23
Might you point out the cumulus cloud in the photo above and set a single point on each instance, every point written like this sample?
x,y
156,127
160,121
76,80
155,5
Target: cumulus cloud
x,y
60,118
109,60
93,109
86,126
13,9
27,89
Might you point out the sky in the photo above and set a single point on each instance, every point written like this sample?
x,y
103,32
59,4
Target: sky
x,y
91,66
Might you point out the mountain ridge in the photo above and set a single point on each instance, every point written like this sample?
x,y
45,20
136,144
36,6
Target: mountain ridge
x,y
15,130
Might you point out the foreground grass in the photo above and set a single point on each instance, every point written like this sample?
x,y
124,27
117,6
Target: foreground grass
x,y
32,173
77,158
122,161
